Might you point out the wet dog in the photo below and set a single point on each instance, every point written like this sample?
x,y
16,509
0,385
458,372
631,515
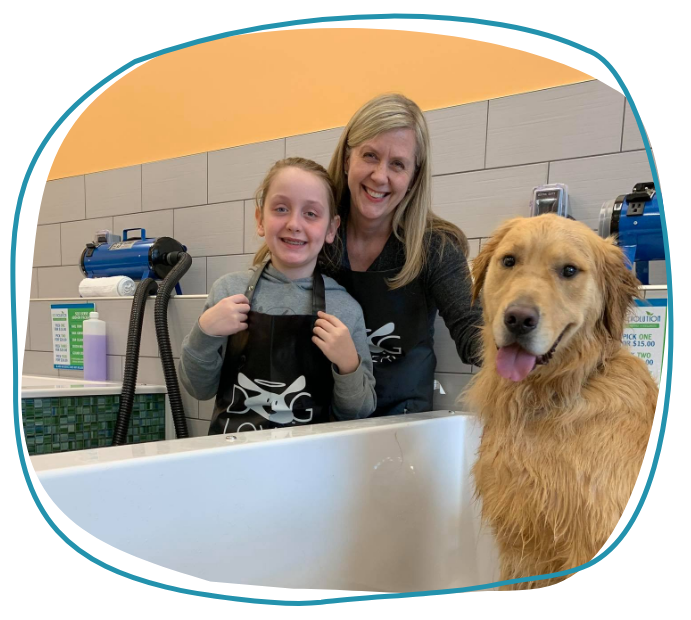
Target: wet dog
x,y
567,409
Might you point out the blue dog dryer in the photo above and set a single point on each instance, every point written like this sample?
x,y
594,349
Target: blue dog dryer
x,y
135,257
147,260
635,220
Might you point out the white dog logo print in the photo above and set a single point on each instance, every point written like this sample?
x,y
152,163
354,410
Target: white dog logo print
x,y
270,405
379,352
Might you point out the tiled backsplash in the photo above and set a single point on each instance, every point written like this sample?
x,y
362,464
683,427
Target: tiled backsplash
x,y
80,422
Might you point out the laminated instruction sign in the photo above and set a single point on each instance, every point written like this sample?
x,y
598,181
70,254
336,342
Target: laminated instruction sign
x,y
68,339
644,333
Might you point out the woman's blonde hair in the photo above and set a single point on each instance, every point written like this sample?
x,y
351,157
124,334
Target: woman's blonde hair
x,y
330,258
413,217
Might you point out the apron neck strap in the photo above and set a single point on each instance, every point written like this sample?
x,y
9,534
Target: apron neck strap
x,y
252,285
318,294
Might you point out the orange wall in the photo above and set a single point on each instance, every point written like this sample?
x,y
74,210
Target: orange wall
x,y
268,85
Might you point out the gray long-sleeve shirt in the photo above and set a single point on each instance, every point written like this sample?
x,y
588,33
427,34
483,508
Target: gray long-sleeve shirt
x,y
446,282
201,358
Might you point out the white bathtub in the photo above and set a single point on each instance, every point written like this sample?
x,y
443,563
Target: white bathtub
x,y
380,505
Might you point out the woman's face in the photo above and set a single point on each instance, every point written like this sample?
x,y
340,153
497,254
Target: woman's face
x,y
380,172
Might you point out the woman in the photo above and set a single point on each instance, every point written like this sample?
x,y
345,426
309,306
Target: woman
x,y
401,262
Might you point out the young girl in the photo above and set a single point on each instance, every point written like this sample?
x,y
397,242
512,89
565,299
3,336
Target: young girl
x,y
281,344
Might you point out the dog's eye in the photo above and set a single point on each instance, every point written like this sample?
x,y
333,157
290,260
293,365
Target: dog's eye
x,y
569,271
508,261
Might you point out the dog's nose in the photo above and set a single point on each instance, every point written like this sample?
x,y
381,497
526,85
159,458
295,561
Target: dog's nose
x,y
520,320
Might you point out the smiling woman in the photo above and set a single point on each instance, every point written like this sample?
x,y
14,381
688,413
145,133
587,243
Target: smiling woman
x,y
401,262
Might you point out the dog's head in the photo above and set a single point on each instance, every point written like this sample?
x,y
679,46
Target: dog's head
x,y
544,281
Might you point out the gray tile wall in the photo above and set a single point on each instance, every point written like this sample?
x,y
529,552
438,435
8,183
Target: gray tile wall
x,y
486,158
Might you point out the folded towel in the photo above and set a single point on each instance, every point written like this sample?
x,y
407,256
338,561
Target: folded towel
x,y
115,286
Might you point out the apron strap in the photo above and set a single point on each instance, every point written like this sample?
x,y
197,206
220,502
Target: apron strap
x,y
238,342
252,284
318,295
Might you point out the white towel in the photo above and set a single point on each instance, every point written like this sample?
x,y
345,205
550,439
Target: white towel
x,y
115,286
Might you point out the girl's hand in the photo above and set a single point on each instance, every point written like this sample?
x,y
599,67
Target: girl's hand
x,y
333,338
227,317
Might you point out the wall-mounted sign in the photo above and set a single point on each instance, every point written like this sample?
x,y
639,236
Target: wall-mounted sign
x,y
68,340
644,333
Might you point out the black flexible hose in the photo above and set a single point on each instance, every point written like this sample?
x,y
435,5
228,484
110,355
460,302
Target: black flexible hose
x,y
184,261
129,380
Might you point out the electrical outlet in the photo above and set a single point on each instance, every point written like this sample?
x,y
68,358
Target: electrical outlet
x,y
635,208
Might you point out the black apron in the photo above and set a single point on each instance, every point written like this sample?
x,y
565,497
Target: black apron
x,y
399,340
273,375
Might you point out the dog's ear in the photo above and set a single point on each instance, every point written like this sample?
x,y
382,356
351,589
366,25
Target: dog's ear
x,y
619,286
482,260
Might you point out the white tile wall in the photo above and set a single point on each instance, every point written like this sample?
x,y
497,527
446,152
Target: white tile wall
x,y
76,374
478,202
114,192
41,325
211,230
182,316
47,247
27,339
206,410
63,200
155,223
235,174
194,281
556,123
59,282
115,365
473,248
457,135
632,136
197,428
39,363
217,266
34,283
486,158
150,371
174,183
318,146
252,241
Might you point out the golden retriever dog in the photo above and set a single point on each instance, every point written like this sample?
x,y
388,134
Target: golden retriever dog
x,y
566,408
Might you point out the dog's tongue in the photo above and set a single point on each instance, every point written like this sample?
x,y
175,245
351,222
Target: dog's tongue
x,y
514,363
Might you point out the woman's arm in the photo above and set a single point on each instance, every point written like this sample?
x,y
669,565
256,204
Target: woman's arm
x,y
354,396
448,283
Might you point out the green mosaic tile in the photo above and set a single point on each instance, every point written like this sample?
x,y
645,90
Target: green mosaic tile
x,y
76,423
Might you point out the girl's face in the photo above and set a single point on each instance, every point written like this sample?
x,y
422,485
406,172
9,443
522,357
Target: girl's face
x,y
380,172
296,222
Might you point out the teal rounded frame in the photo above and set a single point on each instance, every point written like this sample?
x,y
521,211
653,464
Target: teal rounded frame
x,y
304,22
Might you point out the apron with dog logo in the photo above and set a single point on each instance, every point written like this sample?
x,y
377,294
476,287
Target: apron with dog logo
x,y
273,375
399,340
